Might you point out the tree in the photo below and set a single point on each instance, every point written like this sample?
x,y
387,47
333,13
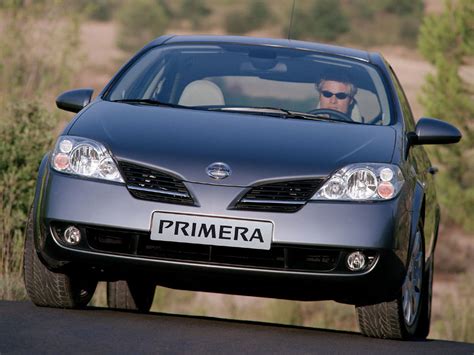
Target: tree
x,y
446,41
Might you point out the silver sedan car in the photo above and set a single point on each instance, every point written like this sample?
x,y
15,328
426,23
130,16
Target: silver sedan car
x,y
247,166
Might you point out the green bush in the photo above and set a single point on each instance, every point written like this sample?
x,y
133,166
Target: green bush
x,y
256,16
359,22
409,28
38,58
325,21
364,9
402,7
328,20
140,21
99,10
196,11
26,133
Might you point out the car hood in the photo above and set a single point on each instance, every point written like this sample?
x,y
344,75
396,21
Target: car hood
x,y
185,142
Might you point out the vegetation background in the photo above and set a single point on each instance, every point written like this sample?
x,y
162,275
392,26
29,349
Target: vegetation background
x,y
47,46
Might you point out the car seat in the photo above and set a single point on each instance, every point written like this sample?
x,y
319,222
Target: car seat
x,y
202,93
355,112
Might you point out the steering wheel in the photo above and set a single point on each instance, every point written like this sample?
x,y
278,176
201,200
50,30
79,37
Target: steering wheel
x,y
327,111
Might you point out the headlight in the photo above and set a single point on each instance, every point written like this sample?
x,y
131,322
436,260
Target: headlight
x,y
362,182
84,157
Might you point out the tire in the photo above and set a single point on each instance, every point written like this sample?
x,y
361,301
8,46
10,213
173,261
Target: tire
x,y
425,316
401,318
50,289
131,295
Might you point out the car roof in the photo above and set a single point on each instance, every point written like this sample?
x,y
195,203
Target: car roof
x,y
285,43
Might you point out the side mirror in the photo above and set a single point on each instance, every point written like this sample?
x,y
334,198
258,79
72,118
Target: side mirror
x,y
74,100
434,131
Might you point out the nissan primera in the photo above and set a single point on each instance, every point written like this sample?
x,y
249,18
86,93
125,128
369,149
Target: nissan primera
x,y
247,166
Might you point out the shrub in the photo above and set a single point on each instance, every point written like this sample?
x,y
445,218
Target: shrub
x,y
256,16
409,28
329,21
38,58
100,10
195,11
363,9
325,21
25,134
140,21
402,7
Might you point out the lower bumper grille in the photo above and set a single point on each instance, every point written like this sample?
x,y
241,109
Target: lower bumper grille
x,y
277,258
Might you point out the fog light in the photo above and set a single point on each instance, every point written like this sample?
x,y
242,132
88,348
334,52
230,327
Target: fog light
x,y
72,235
356,261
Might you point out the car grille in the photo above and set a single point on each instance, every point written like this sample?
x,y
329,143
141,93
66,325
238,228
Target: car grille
x,y
153,185
286,196
278,257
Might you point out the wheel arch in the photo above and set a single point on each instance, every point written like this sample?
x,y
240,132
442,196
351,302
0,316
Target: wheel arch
x,y
417,215
41,181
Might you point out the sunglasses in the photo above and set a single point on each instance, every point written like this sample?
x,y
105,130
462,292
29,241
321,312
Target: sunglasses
x,y
339,95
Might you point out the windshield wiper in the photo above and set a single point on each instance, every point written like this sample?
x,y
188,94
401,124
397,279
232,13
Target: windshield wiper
x,y
273,111
252,110
281,112
149,102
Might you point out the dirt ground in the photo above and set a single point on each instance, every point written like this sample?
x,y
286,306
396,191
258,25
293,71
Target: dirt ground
x,y
103,59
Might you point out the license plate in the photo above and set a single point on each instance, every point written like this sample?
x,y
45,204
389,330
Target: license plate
x,y
195,229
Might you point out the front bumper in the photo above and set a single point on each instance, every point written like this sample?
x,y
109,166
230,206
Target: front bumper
x,y
339,226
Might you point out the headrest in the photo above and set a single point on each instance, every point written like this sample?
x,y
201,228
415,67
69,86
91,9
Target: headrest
x,y
201,93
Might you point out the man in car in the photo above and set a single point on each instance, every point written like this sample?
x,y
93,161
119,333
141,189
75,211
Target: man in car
x,y
336,92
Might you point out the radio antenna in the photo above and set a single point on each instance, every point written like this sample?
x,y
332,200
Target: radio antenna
x,y
291,19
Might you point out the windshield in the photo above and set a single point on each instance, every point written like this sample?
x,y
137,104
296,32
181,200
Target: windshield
x,y
232,76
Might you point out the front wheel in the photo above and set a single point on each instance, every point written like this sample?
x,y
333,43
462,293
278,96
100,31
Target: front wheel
x,y
132,295
400,318
50,289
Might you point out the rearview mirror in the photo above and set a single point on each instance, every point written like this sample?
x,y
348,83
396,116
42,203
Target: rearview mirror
x,y
434,131
74,100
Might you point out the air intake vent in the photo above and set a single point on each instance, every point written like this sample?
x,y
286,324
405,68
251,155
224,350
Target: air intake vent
x,y
149,184
278,257
287,196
